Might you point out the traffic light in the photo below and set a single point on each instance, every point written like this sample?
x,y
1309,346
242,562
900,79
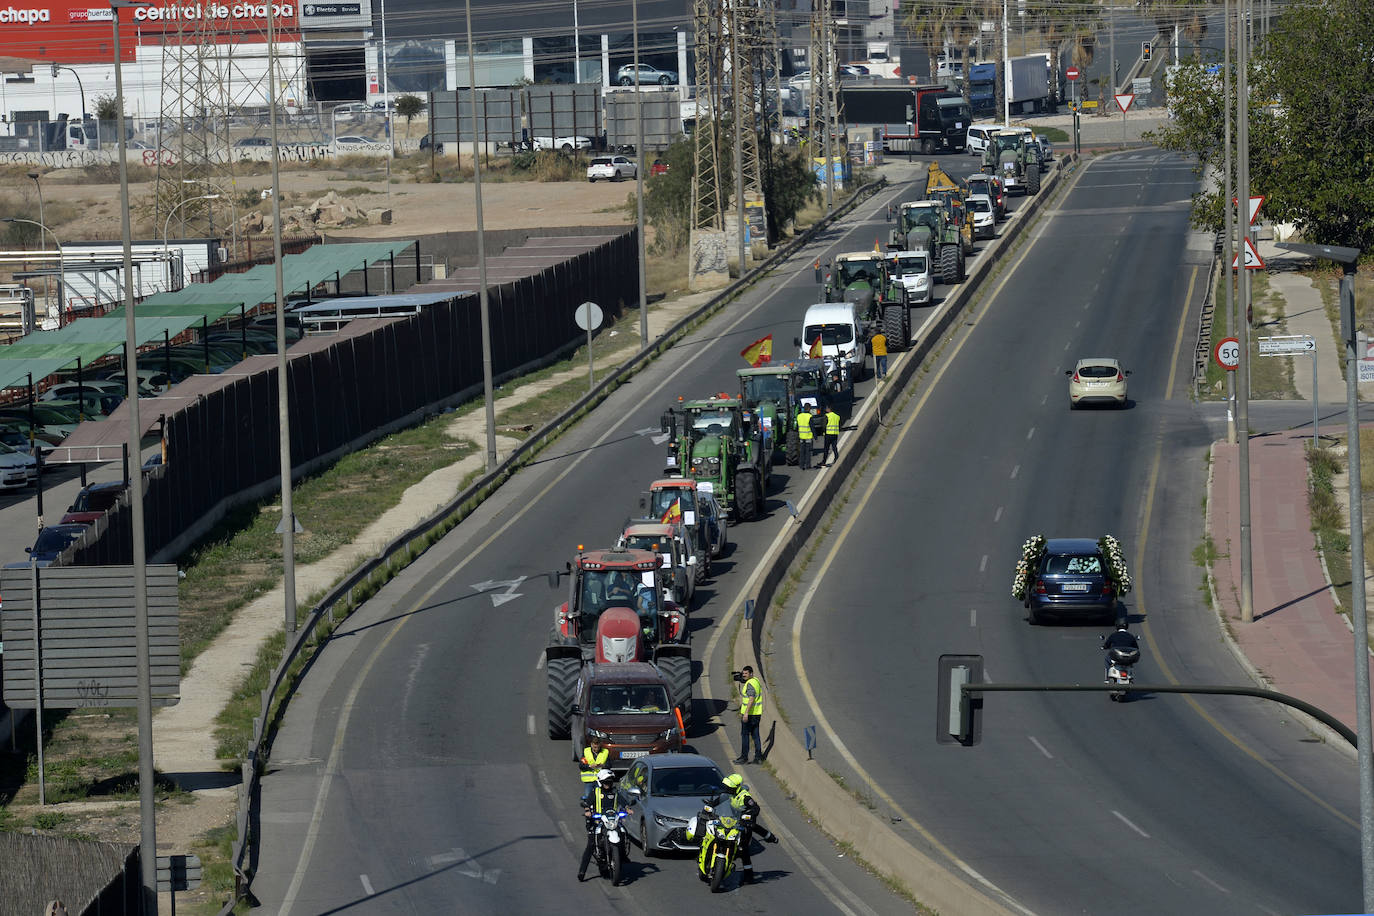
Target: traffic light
x,y
958,715
1146,49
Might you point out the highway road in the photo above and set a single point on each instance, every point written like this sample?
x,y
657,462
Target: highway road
x,y
412,772
1070,803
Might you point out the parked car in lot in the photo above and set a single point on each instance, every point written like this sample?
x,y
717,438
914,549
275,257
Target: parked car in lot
x,y
350,110
662,792
1097,380
1071,581
611,168
659,167
647,75
52,540
18,468
63,391
561,144
48,416
17,437
93,501
352,141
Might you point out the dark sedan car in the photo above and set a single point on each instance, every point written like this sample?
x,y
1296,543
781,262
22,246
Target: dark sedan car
x,y
662,792
1072,581
52,540
93,501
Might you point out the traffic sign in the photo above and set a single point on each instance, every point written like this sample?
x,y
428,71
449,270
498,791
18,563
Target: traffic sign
x,y
1255,203
1124,100
1252,259
1071,74
1287,345
1227,353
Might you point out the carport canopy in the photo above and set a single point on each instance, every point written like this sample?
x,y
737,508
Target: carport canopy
x,y
42,353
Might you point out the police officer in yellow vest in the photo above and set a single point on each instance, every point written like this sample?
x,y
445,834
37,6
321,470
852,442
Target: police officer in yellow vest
x,y
592,761
832,436
750,714
804,435
747,809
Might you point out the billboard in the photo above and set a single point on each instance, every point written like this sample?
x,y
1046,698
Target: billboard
x,y
77,32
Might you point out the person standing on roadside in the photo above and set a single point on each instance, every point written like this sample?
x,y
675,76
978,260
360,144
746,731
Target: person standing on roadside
x,y
878,343
804,437
832,436
750,714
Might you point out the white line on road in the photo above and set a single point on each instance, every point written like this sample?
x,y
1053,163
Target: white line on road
x,y
1127,821
1038,746
1029,433
973,617
983,565
1067,344
997,516
567,834
529,723
540,662
1210,881
1014,471
367,886
544,784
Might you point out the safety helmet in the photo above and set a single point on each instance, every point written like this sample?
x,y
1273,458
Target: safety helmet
x,y
733,781
604,776
1123,626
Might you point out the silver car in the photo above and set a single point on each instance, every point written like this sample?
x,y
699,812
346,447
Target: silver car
x,y
715,529
662,792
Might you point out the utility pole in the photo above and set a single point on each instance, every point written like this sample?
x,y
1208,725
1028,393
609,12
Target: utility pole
x,y
738,119
1228,248
1247,594
484,305
639,185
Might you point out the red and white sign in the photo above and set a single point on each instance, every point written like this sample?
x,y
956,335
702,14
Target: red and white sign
x,y
1071,74
1255,203
105,15
1124,100
1227,353
1252,259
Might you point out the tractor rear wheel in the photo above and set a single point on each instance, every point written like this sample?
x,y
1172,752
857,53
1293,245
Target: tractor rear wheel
x,y
747,495
1032,181
677,670
963,273
894,327
562,683
793,448
949,264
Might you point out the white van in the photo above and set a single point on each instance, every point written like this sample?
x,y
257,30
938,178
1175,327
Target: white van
x,y
836,325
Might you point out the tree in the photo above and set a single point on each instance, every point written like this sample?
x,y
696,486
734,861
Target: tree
x,y
107,107
408,106
1311,101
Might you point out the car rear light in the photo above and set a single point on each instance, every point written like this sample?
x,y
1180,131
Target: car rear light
x,y
1075,378
1107,587
1119,376
1040,586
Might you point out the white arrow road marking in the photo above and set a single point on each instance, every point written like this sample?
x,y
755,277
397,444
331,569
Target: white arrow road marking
x,y
507,589
464,864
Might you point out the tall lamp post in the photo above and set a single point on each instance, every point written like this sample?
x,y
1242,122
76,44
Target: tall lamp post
x,y
55,68
61,262
147,846
483,304
166,228
34,176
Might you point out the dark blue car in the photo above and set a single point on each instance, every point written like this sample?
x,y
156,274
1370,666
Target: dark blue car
x,y
52,540
1072,581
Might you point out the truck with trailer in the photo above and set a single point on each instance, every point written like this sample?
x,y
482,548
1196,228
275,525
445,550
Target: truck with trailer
x,y
909,119
1030,84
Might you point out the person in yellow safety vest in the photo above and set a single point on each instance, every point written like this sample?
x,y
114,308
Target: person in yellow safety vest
x,y
747,809
878,344
592,761
750,714
832,436
602,800
804,437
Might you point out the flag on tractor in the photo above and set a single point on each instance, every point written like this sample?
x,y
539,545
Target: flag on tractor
x,y
759,352
673,513
815,351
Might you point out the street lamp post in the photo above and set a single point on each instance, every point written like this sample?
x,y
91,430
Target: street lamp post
x,y
34,176
55,68
61,262
167,227
147,846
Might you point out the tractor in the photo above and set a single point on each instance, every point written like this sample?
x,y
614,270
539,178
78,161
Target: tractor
x,y
674,500
718,441
615,612
924,224
863,278
939,186
776,392
1009,158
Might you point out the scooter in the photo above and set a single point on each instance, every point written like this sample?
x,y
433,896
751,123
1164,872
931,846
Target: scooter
x,y
612,844
719,847
1119,662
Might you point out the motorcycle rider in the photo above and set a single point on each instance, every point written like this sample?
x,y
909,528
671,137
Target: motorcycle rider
x,y
602,800
592,762
747,810
1121,638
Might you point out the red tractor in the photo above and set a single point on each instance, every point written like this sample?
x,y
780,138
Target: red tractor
x,y
615,612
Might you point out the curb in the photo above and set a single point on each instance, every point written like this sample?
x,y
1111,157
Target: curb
x,y
893,856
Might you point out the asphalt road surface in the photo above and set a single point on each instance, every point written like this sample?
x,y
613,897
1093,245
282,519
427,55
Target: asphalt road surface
x,y
1071,803
412,772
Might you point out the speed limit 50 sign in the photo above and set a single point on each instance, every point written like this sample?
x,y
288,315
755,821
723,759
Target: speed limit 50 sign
x,y
1227,353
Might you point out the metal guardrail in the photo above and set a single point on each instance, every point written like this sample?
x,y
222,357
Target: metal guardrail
x,y
463,505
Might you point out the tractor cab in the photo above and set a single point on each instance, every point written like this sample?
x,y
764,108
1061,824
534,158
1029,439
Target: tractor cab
x,y
669,540
605,579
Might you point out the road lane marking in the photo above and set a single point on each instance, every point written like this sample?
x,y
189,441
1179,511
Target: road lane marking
x,y
1178,339
1030,433
539,662
367,886
1040,747
1014,471
997,516
1127,821
983,565
973,617
529,723
567,834
1210,881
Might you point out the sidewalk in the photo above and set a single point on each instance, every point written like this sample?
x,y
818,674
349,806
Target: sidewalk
x,y
1299,643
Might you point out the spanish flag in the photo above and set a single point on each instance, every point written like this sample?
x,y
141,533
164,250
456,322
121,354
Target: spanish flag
x,y
673,513
815,351
759,352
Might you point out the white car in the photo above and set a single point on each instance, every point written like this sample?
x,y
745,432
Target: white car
x,y
611,168
1097,380
17,469
984,216
911,269
562,144
978,135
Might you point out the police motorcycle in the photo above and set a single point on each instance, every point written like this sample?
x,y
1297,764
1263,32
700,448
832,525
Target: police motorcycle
x,y
720,838
612,849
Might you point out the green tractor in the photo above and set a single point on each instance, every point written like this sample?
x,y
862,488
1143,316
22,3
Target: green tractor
x,y
718,441
925,224
776,393
864,278
1008,157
